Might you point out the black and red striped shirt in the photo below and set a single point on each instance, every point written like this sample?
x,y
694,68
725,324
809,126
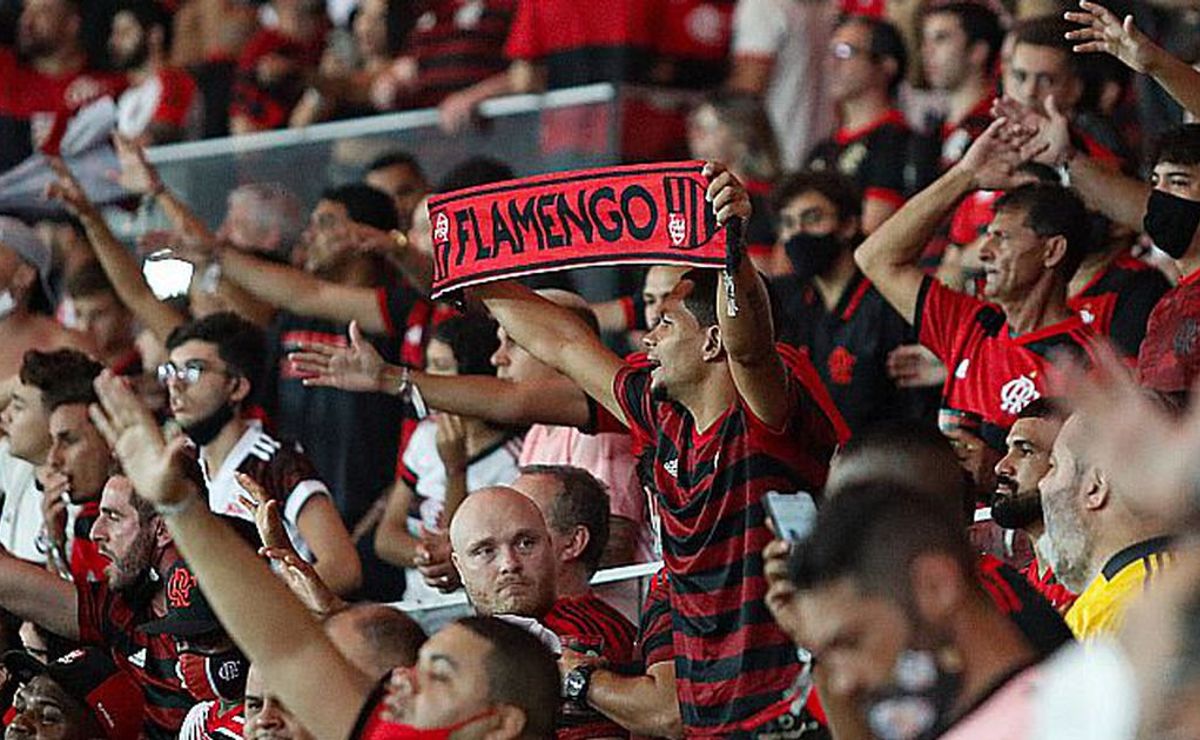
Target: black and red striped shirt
x,y
655,634
111,619
1017,599
589,620
731,658
1117,302
457,43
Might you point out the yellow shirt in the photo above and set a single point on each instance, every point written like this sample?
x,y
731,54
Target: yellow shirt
x,y
1100,609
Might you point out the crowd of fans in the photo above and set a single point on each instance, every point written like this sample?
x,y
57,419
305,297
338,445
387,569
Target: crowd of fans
x,y
921,465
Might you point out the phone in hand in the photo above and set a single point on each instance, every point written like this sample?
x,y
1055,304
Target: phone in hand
x,y
793,514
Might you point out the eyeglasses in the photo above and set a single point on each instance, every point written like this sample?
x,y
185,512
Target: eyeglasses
x,y
189,374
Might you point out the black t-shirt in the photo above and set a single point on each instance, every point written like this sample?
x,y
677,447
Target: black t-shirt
x,y
1117,302
875,156
351,438
849,347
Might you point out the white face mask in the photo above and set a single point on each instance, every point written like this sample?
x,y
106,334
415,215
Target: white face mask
x,y
7,303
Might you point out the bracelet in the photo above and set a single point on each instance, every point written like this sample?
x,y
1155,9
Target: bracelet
x,y
175,508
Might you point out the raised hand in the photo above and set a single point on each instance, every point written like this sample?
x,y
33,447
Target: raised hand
x,y
303,580
266,513
915,366
66,189
452,442
1104,32
726,193
358,368
136,175
433,561
993,158
158,469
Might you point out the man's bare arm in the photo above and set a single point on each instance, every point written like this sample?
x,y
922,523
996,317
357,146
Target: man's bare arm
x,y
1121,198
746,334
33,593
556,336
645,705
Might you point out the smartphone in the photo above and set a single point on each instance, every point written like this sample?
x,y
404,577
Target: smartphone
x,y
793,514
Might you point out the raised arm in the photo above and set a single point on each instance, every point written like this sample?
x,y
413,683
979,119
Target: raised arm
x,y
556,336
35,594
1104,32
746,329
263,617
889,256
122,268
360,368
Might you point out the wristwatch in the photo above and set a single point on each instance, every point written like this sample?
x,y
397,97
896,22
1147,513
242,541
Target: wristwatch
x,y
576,683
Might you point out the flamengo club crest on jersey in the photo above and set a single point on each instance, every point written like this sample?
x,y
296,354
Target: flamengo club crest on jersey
x,y
1018,393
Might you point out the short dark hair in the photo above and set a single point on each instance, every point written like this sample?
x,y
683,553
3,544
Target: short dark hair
x,y
365,205
1045,407
886,41
521,673
872,533
901,453
979,23
1048,31
1052,210
89,279
845,195
583,501
240,344
396,158
475,171
58,373
1177,145
473,341
702,301
149,14
394,637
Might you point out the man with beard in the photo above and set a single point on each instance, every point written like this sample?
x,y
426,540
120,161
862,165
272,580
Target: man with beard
x,y
162,103
889,606
47,72
1103,549
829,309
140,551
210,374
1017,504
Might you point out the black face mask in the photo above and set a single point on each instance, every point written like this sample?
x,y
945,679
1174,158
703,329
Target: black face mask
x,y
1016,512
207,429
1171,222
813,254
918,701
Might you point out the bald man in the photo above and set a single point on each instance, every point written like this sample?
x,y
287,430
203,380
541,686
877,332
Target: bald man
x,y
505,555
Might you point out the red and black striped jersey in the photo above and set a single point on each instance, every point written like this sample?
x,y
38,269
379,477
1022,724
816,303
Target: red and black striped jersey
x,y
457,43
731,659
588,620
111,619
1117,302
990,374
655,634
1059,596
1017,599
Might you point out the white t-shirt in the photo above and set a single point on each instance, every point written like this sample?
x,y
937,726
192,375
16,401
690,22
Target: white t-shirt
x,y
795,33
283,470
21,514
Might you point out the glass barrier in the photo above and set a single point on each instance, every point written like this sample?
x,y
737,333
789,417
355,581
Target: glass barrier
x,y
590,126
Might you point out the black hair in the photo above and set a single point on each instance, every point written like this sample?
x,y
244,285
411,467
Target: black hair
x,y
149,14
89,279
240,344
475,171
396,158
365,205
473,341
872,533
886,41
1177,145
583,501
1049,31
521,673
979,23
1045,407
901,453
1052,210
394,637
59,372
843,192
702,300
